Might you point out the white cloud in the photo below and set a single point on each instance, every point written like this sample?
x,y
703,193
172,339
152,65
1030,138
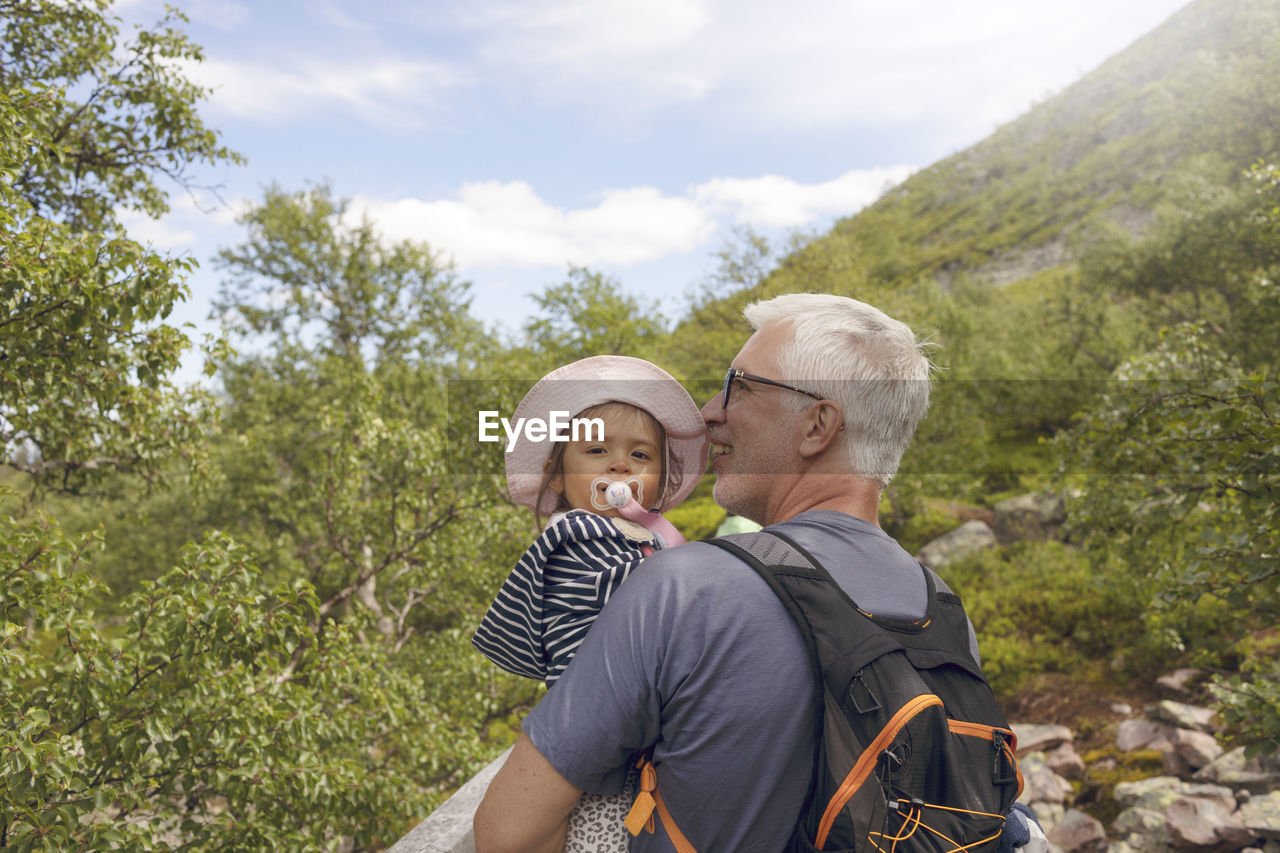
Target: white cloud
x,y
507,225
383,91
615,56
223,14
776,202
757,63
493,224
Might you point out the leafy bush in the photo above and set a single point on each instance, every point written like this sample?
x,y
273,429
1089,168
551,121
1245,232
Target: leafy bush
x,y
1048,607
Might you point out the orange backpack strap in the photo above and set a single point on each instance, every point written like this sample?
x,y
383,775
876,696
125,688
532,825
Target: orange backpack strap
x,y
650,798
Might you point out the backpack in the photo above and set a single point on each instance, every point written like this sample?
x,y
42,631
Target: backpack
x,y
914,753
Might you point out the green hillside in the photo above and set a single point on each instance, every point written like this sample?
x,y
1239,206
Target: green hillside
x,y
1200,95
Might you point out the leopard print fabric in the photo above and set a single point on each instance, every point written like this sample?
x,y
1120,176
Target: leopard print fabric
x,y
595,825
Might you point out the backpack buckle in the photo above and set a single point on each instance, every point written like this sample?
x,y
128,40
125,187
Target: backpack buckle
x,y
1003,770
861,695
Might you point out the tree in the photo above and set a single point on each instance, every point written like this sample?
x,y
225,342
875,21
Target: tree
x,y
113,118
591,314
1181,456
91,123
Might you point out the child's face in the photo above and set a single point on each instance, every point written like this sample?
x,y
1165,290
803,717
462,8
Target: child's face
x,y
630,451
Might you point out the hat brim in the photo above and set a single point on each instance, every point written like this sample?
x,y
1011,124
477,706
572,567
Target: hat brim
x,y
593,381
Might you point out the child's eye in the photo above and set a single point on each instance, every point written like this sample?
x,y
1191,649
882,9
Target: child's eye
x,y
642,456
595,450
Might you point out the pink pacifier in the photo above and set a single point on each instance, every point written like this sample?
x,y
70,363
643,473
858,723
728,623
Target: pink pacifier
x,y
618,494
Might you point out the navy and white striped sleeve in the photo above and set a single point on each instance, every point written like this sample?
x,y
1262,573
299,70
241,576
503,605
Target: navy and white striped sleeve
x,y
554,594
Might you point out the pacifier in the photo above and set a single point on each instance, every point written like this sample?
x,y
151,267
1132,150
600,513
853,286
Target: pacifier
x,y
616,493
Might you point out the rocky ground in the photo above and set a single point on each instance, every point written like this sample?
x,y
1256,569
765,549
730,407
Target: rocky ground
x,y
1140,772
1106,775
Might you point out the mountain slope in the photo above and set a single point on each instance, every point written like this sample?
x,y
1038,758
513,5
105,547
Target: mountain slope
x,y
1199,95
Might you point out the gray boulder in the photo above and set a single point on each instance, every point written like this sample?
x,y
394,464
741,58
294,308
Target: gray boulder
x,y
1190,751
1034,516
1183,716
1144,734
1040,784
968,538
1261,816
1066,762
1038,738
1179,683
1259,776
1078,833
1198,825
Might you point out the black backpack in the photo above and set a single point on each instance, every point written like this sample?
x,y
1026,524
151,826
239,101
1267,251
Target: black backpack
x,y
915,754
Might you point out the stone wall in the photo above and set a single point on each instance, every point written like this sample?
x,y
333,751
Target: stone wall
x,y
448,828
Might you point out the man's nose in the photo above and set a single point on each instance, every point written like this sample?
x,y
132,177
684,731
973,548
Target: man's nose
x,y
713,411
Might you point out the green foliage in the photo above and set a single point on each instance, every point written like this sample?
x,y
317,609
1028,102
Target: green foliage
x,y
1042,607
311,279
112,114
84,383
1250,702
1189,443
223,714
696,518
590,314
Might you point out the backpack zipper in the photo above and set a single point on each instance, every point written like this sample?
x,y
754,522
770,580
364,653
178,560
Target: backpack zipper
x,y
867,761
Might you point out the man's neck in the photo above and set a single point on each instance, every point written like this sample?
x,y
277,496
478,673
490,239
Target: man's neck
x,y
856,496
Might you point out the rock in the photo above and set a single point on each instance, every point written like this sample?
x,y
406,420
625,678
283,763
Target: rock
x,y
1159,792
968,538
1066,762
1183,716
1196,749
1139,844
1143,734
1040,784
1124,709
1156,793
1199,825
1257,775
1147,823
1079,833
1034,516
1049,815
1179,683
1036,738
1261,816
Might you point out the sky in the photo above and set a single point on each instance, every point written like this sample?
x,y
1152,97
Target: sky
x,y
518,139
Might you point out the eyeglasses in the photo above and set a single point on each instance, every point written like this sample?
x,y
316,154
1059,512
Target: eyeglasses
x,y
735,373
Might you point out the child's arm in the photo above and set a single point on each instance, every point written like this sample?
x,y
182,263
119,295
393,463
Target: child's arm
x,y
544,608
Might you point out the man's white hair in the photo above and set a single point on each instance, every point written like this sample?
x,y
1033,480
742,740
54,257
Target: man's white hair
x,y
872,365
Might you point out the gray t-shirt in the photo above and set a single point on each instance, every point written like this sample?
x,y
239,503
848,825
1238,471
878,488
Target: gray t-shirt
x,y
695,657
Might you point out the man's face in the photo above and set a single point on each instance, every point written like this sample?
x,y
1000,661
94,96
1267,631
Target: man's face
x,y
752,444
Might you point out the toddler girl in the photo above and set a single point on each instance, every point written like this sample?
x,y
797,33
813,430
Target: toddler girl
x,y
639,432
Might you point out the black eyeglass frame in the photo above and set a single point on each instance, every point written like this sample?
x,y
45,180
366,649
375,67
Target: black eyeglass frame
x,y
735,373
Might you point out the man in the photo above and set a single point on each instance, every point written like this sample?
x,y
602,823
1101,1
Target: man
x,y
694,657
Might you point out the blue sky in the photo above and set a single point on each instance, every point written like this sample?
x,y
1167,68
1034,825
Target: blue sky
x,y
517,138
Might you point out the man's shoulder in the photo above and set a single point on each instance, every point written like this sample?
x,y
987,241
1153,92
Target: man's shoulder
x,y
696,560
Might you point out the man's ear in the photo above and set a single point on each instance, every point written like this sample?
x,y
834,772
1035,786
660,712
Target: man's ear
x,y
824,422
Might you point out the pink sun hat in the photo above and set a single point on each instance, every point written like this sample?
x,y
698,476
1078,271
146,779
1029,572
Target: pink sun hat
x,y
609,379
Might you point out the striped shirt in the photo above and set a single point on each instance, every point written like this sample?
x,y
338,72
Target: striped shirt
x,y
556,591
